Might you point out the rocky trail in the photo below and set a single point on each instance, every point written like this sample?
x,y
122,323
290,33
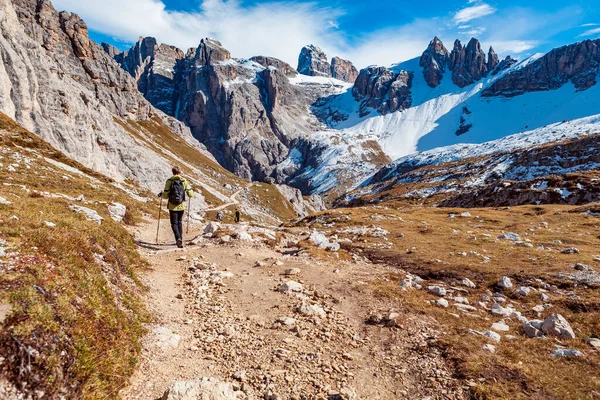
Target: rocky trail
x,y
263,324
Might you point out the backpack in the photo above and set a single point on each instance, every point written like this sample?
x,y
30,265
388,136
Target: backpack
x,y
176,192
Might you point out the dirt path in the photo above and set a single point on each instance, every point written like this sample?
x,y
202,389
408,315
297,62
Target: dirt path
x,y
232,203
232,323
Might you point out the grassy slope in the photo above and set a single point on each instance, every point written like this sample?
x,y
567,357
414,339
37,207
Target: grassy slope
x,y
75,318
521,368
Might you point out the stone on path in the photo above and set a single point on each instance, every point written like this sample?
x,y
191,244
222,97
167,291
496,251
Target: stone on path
x,y
291,287
204,389
165,337
310,310
292,271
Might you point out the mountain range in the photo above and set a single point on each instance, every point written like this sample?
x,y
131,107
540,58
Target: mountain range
x,y
323,127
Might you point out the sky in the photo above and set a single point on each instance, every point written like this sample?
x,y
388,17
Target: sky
x,y
369,32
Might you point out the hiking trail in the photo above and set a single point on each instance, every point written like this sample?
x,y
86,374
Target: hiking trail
x,y
217,312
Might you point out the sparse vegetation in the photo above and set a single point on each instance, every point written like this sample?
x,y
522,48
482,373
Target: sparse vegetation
x,y
75,319
426,242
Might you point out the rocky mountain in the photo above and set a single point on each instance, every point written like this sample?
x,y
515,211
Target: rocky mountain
x,y
313,62
576,63
67,89
264,120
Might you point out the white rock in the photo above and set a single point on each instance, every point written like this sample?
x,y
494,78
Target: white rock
x,y
467,282
117,211
500,326
570,250
557,325
505,283
310,310
441,302
465,307
510,236
544,297
80,198
566,353
465,214
90,214
489,348
4,201
461,300
287,321
539,308
492,335
522,291
204,389
291,287
244,236
438,290
594,342
50,224
497,309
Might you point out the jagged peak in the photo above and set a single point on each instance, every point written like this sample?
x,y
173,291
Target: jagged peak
x,y
436,46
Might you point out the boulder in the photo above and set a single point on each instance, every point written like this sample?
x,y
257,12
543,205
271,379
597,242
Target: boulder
x,y
513,237
117,211
203,389
594,342
441,302
291,287
559,352
557,325
523,291
212,227
437,290
500,326
91,215
467,282
505,283
310,310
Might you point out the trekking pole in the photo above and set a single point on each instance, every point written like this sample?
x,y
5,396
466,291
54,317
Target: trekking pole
x,y
158,227
187,230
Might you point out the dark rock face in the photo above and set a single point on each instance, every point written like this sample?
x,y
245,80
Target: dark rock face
x,y
248,119
153,66
343,70
577,63
382,89
504,64
313,62
467,63
434,61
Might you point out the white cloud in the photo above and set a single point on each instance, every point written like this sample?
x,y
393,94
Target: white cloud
x,y
470,13
590,32
276,29
514,46
586,25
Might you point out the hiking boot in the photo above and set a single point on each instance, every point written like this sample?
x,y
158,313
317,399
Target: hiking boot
x,y
180,243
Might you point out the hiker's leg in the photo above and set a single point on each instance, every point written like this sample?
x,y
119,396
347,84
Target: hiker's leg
x,y
180,224
174,216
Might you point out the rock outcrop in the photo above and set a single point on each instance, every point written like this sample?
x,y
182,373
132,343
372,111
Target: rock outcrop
x,y
343,70
282,66
434,61
314,62
468,64
382,89
61,85
576,63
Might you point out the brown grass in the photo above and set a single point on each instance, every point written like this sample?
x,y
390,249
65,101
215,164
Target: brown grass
x,y
521,368
80,317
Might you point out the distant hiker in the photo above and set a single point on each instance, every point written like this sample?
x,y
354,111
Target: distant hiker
x,y
176,188
219,216
238,215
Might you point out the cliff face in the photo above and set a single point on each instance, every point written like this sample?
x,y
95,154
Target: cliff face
x,y
61,85
468,64
576,63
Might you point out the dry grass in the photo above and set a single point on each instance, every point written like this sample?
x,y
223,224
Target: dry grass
x,y
76,319
431,246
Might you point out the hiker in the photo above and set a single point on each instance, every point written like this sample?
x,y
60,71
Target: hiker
x,y
176,188
219,216
238,215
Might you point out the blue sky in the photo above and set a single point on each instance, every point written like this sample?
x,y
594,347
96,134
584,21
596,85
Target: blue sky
x,y
366,32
